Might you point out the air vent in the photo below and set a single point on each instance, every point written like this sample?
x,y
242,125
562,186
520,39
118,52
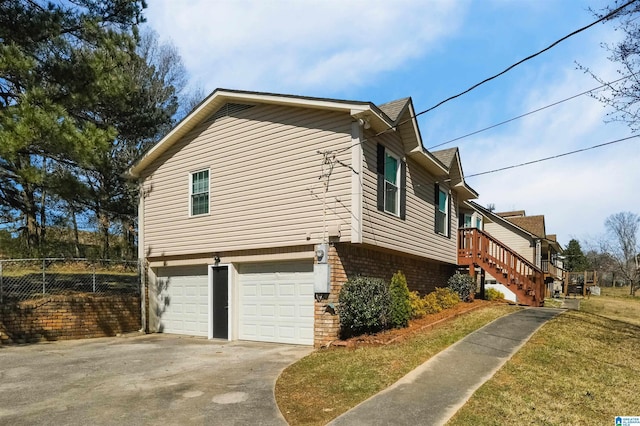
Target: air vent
x,y
228,110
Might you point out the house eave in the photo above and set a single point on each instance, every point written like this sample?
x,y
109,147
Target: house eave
x,y
366,111
426,160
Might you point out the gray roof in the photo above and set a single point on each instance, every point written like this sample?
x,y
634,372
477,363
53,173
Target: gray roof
x,y
445,156
394,108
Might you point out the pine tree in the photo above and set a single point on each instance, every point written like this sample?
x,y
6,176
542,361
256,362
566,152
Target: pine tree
x,y
575,260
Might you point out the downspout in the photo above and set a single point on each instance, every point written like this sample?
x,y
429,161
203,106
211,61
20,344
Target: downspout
x,y
142,261
356,182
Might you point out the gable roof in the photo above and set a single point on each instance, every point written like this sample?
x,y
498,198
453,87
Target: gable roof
x,y
445,156
394,108
496,218
451,159
532,224
367,111
396,116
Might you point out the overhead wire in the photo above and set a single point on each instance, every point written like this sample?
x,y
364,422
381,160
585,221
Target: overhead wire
x,y
486,80
555,43
552,157
530,112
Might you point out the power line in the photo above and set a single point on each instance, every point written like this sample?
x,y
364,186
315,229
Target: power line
x,y
555,43
530,112
603,18
552,157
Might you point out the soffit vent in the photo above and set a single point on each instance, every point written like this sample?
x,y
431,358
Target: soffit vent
x,y
229,110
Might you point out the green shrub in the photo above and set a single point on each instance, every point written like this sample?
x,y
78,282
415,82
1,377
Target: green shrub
x,y
447,298
417,305
400,309
493,294
431,304
462,284
364,306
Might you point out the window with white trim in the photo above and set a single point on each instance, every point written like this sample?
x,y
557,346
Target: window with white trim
x,y
199,193
468,220
442,212
391,184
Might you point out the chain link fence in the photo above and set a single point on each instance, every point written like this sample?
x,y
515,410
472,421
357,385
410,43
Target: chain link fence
x,y
23,279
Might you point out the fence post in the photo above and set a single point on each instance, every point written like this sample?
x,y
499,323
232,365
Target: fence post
x,y
94,277
44,276
1,289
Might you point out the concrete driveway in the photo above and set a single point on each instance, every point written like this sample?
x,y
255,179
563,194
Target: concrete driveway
x,y
143,379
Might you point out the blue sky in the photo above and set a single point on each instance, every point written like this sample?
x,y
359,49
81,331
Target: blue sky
x,y
379,51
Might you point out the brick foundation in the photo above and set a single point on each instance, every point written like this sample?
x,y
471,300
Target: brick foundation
x,y
349,260
69,317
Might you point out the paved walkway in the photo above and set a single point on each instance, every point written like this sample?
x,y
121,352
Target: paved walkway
x,y
571,304
432,393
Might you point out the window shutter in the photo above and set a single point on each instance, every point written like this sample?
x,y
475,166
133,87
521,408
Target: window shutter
x,y
436,205
449,215
403,190
380,169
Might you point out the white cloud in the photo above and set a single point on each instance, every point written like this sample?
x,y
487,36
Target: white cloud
x,y
300,46
577,192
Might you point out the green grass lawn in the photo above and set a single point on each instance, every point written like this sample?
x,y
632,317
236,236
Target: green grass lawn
x,y
581,368
328,382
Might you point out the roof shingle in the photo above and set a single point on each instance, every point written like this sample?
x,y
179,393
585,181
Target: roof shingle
x,y
445,156
394,108
532,224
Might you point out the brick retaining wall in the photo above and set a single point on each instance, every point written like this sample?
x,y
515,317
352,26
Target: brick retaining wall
x,y
69,317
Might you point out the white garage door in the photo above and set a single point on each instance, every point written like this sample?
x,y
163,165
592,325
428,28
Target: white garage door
x,y
182,300
276,302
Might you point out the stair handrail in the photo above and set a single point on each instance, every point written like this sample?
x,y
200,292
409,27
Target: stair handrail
x,y
498,243
517,269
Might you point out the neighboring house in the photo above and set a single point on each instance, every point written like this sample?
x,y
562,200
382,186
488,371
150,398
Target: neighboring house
x,y
257,207
526,236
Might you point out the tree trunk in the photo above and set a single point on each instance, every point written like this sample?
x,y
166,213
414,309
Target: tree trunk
x,y
103,219
76,236
30,212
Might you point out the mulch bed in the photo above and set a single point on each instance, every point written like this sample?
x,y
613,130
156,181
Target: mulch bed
x,y
399,334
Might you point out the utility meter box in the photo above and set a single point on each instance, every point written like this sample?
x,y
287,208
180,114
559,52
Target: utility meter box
x,y
321,269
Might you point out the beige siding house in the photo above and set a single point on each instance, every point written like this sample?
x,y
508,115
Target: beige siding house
x,y
257,207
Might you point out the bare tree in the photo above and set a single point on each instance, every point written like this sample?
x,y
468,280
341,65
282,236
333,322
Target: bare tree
x,y
622,245
623,94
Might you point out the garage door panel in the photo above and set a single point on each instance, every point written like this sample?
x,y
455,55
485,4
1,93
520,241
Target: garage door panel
x,y
287,332
287,311
287,289
182,301
276,302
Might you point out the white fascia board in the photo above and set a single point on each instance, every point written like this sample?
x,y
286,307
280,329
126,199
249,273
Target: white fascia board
x,y
414,124
465,190
428,162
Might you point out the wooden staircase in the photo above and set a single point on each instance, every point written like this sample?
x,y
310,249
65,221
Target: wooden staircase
x,y
479,249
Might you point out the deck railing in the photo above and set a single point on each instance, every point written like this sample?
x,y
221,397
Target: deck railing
x,y
509,268
551,269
